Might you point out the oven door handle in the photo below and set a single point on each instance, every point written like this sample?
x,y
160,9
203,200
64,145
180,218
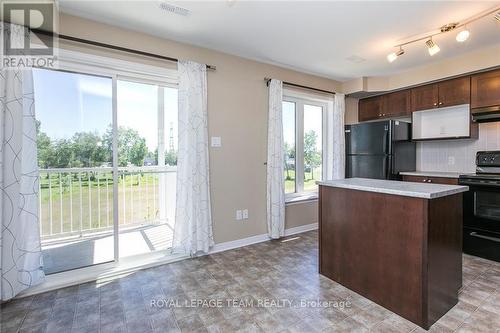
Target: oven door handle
x,y
494,239
477,184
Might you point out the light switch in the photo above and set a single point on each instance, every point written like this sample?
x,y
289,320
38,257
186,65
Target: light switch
x,y
216,141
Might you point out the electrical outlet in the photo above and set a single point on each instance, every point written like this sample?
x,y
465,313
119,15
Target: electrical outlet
x,y
451,160
245,214
239,215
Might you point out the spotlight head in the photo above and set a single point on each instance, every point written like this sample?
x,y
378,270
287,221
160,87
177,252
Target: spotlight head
x,y
432,47
394,55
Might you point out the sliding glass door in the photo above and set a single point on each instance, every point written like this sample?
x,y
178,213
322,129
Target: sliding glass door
x,y
107,153
74,117
147,158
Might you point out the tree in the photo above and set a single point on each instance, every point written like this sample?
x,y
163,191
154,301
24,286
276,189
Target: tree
x,y
89,150
63,154
289,153
45,150
171,157
131,146
312,157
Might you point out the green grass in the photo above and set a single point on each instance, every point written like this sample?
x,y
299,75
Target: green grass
x,y
309,181
92,205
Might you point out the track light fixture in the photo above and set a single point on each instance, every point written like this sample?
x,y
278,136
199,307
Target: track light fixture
x,y
461,36
394,55
432,47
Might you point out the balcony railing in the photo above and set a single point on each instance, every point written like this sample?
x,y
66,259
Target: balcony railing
x,y
78,202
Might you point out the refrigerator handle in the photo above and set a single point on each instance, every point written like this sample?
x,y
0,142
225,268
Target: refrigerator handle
x,y
384,167
347,133
388,167
386,139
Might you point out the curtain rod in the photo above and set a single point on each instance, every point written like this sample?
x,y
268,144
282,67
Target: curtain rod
x,y
267,79
112,47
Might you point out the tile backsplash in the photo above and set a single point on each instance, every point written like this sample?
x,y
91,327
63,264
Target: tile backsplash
x,y
457,155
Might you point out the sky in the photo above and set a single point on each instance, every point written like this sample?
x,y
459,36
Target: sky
x,y
67,103
312,121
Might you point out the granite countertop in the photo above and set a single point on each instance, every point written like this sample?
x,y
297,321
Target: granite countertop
x,y
407,189
441,174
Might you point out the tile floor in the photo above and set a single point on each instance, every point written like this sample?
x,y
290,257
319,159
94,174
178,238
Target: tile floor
x,y
270,271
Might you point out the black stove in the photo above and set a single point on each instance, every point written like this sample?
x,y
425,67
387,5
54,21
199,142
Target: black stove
x,y
481,207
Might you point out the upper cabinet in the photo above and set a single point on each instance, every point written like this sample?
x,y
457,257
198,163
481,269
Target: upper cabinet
x,y
441,94
454,92
396,104
481,91
485,89
370,108
424,97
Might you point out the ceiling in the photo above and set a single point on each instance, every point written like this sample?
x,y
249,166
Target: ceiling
x,y
335,39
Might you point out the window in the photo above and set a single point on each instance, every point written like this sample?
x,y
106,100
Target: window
x,y
289,138
98,204
303,132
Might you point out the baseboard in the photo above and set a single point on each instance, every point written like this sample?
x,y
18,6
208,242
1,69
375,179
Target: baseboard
x,y
300,229
220,247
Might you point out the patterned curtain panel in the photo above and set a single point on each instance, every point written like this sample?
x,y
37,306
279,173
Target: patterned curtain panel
x,y
193,218
275,162
335,157
20,253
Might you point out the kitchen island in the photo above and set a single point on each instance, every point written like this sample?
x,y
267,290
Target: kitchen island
x,y
396,243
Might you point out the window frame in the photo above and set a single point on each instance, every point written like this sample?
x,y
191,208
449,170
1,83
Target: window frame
x,y
117,70
301,99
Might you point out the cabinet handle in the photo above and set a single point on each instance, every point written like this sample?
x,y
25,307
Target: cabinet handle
x,y
440,103
425,180
435,104
429,180
380,114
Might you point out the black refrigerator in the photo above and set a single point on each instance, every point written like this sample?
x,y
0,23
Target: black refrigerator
x,y
379,150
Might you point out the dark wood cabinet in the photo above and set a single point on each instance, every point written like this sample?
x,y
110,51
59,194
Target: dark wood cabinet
x,y
442,94
412,263
370,108
396,104
481,91
424,97
454,92
485,89
435,180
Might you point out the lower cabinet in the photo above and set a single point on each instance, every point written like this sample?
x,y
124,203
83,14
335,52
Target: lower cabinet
x,y
435,180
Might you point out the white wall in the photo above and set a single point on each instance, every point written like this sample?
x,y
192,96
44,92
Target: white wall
x,y
435,155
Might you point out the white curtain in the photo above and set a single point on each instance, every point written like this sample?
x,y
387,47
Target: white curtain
x,y
275,162
193,218
335,157
20,253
